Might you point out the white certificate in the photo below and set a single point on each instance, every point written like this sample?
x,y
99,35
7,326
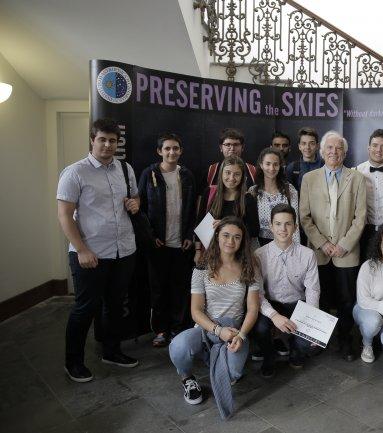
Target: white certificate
x,y
313,324
205,230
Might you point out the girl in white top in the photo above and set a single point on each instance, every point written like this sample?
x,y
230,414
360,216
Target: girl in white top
x,y
226,279
272,188
368,311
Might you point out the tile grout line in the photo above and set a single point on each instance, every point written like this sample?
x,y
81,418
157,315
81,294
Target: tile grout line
x,y
166,417
47,385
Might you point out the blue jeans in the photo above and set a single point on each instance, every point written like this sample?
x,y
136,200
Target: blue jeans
x,y
189,345
370,323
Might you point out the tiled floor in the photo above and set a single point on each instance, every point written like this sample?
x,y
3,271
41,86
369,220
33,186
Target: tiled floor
x,y
329,395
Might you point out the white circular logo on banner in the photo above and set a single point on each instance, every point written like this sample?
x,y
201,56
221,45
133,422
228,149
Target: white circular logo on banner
x,y
114,85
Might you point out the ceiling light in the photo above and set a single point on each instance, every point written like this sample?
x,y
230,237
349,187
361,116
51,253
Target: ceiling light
x,y
5,91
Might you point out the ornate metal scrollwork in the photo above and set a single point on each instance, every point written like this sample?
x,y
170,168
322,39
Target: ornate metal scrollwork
x,y
266,68
336,64
255,33
302,49
369,71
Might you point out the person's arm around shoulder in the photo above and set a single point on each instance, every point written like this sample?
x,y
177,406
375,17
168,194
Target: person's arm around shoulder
x,y
86,257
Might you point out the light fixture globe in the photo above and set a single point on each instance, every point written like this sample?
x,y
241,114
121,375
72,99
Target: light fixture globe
x,y
5,91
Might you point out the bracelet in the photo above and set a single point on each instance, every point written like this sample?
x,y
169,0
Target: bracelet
x,y
218,330
242,336
197,249
214,328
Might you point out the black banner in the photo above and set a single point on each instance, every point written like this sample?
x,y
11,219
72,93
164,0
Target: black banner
x,y
147,102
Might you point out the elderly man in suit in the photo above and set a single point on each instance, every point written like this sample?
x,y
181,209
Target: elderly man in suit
x,y
333,215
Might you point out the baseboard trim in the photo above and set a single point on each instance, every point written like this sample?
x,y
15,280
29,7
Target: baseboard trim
x,y
23,301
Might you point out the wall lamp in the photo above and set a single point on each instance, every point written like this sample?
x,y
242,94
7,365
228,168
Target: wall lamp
x,y
5,91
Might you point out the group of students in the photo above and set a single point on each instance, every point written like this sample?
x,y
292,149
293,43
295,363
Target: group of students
x,y
249,279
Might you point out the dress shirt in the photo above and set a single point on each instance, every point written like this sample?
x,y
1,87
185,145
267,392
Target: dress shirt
x,y
328,171
369,287
374,185
289,276
101,217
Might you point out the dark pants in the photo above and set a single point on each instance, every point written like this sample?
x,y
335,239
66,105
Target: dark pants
x,y
170,272
263,335
365,241
338,290
106,284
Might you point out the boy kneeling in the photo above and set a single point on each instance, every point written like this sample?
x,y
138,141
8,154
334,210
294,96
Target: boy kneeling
x,y
290,274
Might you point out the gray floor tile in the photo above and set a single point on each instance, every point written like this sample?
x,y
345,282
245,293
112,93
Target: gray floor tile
x,y
137,416
322,381
357,369
323,419
37,397
33,416
82,399
277,402
209,421
364,401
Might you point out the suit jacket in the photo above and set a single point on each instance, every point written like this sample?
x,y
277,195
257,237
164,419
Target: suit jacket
x,y
350,219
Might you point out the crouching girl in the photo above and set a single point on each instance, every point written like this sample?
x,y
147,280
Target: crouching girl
x,y
225,284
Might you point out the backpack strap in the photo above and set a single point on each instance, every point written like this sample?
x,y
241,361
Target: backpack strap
x,y
211,173
212,193
251,169
126,176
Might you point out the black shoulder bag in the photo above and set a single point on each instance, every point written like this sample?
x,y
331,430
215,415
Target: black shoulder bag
x,y
142,229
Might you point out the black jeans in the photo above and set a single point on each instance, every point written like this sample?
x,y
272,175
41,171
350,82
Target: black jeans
x,y
338,290
263,335
106,284
365,241
170,272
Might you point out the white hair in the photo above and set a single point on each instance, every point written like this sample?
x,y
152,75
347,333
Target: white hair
x,y
330,134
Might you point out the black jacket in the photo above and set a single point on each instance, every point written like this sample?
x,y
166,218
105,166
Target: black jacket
x,y
152,191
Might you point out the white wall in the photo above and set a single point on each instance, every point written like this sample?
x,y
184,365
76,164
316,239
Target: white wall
x,y
25,245
55,163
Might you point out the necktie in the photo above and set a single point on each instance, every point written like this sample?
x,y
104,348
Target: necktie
x,y
333,193
372,169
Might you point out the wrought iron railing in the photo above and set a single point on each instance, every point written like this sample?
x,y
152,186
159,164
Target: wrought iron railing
x,y
283,43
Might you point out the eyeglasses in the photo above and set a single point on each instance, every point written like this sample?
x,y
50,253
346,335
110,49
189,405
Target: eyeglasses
x,y
228,145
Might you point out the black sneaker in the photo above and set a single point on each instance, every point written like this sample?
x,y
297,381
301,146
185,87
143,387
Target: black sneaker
x,y
296,363
296,360
78,373
257,355
281,348
120,359
192,391
267,370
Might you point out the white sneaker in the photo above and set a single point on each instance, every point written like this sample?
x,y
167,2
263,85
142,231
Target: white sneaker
x,y
367,354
